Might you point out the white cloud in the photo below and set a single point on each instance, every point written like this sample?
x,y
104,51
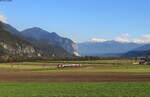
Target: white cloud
x,y
124,34
121,39
3,18
145,38
141,39
138,41
97,40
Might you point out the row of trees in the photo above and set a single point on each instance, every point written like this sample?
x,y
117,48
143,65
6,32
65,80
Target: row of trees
x,y
85,58
17,59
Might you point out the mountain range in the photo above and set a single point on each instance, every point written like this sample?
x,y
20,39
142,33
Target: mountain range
x,y
52,38
34,42
141,51
11,45
112,48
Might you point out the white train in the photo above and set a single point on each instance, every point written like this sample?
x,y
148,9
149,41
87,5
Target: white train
x,y
68,65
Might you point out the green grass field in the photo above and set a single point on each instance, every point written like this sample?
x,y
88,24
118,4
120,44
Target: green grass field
x,y
87,66
74,89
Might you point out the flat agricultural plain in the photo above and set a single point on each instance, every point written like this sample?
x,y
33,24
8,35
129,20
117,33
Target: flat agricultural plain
x,y
101,78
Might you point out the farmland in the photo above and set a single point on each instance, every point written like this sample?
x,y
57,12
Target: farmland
x,y
90,71
101,78
86,66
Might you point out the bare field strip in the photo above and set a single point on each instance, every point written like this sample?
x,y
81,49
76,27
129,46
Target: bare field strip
x,y
73,77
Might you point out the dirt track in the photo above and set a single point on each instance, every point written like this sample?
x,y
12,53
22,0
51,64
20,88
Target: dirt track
x,y
73,77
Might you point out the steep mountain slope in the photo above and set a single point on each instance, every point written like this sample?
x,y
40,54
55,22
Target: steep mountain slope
x,y
50,38
11,45
47,49
143,48
106,48
141,51
11,29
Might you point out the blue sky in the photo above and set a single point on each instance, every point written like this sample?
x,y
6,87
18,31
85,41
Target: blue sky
x,y
82,20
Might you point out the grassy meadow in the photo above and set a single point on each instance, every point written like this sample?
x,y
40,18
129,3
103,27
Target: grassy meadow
x,y
74,89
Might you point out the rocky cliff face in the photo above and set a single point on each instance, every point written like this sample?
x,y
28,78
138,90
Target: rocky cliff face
x,y
71,47
19,50
68,45
11,45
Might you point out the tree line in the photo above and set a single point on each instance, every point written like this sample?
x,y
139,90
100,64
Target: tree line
x,y
75,58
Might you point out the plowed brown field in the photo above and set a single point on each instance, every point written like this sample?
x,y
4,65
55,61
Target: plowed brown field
x,y
73,77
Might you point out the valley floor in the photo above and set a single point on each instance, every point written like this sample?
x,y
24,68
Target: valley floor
x,y
102,78
90,71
